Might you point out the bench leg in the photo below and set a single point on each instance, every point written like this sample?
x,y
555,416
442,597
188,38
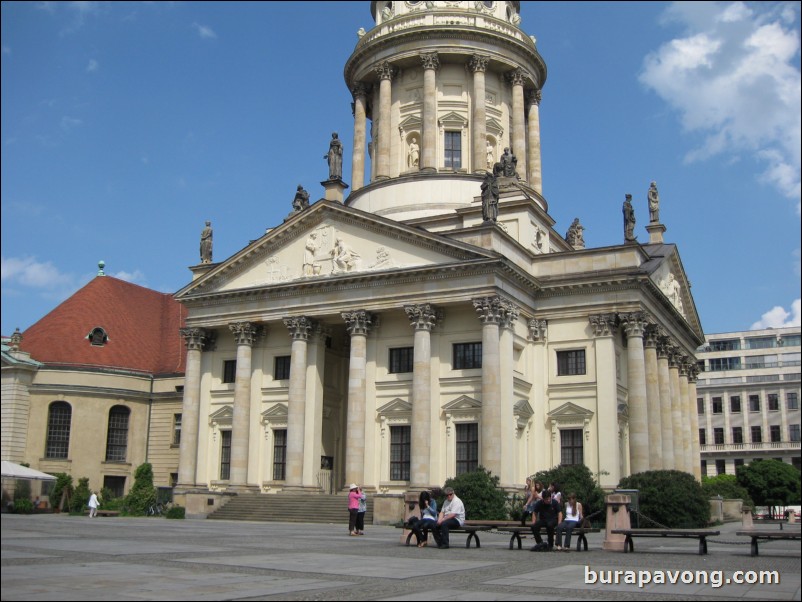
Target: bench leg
x,y
515,536
702,546
409,537
628,545
475,537
753,547
581,540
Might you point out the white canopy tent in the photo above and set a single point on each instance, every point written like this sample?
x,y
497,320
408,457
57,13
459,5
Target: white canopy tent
x,y
16,471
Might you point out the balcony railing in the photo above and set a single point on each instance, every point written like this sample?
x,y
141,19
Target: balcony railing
x,y
751,447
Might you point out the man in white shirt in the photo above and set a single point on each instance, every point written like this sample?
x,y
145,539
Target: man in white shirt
x,y
452,516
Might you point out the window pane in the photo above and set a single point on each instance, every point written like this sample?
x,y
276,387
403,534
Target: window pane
x,y
467,447
453,150
571,363
117,438
401,360
282,368
467,356
279,455
229,371
225,455
57,444
571,451
399,453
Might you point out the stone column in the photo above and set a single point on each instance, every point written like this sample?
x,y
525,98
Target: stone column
x,y
245,335
538,334
534,159
195,338
653,399
358,323
604,329
634,324
696,448
385,71
666,416
508,476
431,63
687,435
299,328
676,410
478,65
491,312
360,136
422,318
517,78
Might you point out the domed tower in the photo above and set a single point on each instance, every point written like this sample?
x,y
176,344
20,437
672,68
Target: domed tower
x,y
447,87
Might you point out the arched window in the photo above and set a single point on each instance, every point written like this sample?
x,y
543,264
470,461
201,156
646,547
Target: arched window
x,y
117,438
59,417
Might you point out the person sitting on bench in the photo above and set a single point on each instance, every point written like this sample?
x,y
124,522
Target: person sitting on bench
x,y
547,514
451,517
573,516
428,518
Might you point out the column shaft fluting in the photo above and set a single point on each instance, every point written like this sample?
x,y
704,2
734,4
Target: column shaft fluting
x,y
296,401
431,63
360,138
245,334
478,64
358,324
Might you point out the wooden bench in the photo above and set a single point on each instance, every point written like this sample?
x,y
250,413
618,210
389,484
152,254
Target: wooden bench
x,y
768,534
105,513
700,534
580,532
471,530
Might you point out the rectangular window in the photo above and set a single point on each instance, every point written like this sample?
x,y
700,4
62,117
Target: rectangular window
x,y
704,468
571,363
401,360
725,363
177,429
792,399
57,443
700,405
225,455
453,150
757,434
117,436
737,434
229,371
399,452
173,479
571,451
774,431
725,345
115,484
793,432
279,454
774,402
791,340
281,367
467,356
721,467
467,447
761,342
702,437
735,404
718,436
738,462
754,403
718,406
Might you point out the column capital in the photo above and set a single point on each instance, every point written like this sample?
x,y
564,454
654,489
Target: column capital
x,y
604,325
495,310
533,97
385,70
300,327
360,89
538,330
674,356
517,77
693,373
651,336
423,316
430,60
685,366
634,323
478,62
359,321
197,339
245,333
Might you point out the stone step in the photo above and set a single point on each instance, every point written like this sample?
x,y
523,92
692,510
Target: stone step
x,y
290,507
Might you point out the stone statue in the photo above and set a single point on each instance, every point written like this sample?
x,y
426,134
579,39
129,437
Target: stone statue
x,y
574,235
654,204
629,220
206,244
344,258
335,158
310,249
413,158
491,152
490,198
301,200
509,163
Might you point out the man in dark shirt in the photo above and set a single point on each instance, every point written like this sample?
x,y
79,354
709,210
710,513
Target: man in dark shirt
x,y
546,513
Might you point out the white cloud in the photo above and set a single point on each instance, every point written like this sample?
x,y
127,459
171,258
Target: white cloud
x,y
204,31
27,271
778,317
733,77
92,66
135,277
68,123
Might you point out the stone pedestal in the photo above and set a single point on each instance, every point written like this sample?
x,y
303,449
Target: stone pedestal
x,y
334,190
617,518
656,231
746,518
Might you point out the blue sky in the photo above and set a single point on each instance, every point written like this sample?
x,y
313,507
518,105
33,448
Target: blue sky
x,y
125,126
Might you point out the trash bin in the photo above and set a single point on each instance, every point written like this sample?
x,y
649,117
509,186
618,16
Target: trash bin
x,y
633,506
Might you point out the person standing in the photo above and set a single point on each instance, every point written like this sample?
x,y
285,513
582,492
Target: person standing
x,y
361,511
451,517
93,505
353,508
547,514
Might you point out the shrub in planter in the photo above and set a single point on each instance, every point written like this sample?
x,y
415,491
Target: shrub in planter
x,y
80,497
669,497
480,493
176,512
142,494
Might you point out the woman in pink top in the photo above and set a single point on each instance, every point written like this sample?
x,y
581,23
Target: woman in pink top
x,y
353,508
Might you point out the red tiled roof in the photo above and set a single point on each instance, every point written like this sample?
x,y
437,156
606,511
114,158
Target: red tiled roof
x,y
141,325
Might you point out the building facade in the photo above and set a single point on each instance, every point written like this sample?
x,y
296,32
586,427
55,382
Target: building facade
x,y
419,328
748,398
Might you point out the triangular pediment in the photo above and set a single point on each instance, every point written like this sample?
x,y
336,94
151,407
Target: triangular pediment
x,y
570,411
329,241
277,411
667,273
222,417
462,403
396,406
522,409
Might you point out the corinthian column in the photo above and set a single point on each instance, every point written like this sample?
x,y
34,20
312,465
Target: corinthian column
x,y
385,71
422,318
696,451
689,411
245,335
653,398
358,324
533,156
676,410
605,329
517,78
666,416
478,65
634,324
360,137
299,328
431,63
190,408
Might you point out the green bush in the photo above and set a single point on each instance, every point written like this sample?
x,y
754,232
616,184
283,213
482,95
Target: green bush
x,y
480,493
23,506
669,497
142,494
576,478
80,497
63,483
176,512
726,485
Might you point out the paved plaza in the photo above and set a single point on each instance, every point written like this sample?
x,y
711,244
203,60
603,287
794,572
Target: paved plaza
x,y
58,557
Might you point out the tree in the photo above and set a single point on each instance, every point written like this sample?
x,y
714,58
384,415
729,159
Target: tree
x,y
726,485
142,494
669,497
770,482
80,497
480,493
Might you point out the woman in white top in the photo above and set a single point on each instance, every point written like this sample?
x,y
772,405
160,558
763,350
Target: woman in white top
x,y
572,516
